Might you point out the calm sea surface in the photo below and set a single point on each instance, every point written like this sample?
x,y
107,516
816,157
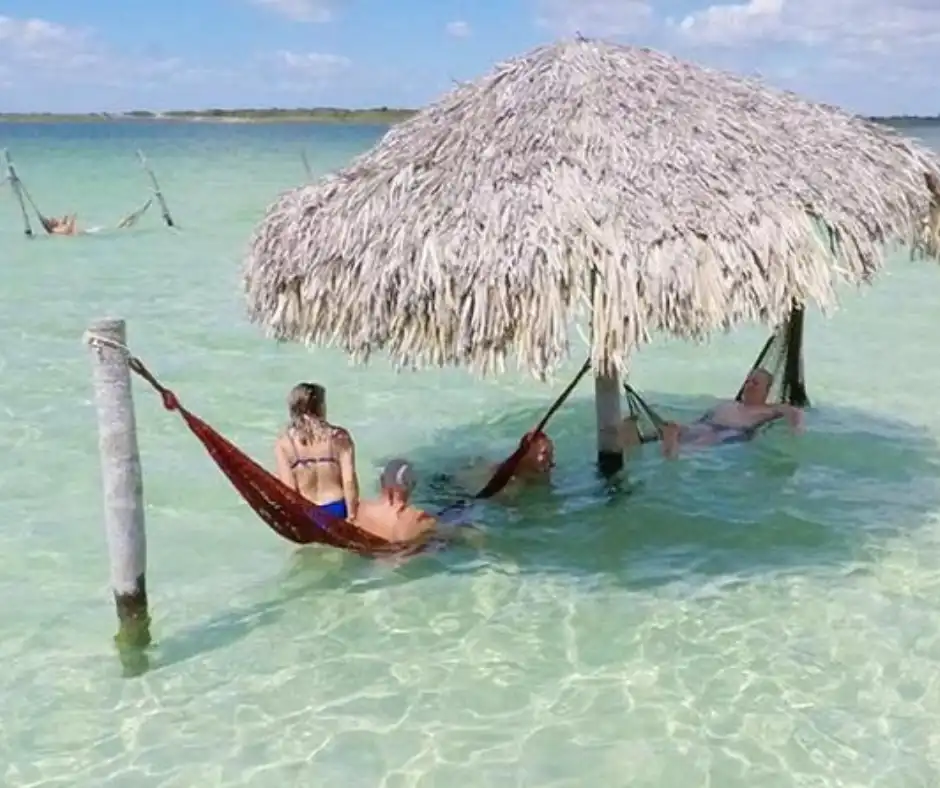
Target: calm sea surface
x,y
763,615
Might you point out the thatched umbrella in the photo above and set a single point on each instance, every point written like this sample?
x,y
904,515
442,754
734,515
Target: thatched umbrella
x,y
620,183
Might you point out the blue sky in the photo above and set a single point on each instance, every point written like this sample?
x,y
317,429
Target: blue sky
x,y
871,56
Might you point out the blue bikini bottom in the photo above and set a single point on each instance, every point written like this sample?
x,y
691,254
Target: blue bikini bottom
x,y
335,508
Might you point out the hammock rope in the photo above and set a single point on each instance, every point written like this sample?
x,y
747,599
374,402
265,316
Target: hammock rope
x,y
134,216
157,191
285,510
19,191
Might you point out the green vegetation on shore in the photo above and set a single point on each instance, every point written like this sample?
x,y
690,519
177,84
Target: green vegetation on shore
x,y
377,116
384,116
906,120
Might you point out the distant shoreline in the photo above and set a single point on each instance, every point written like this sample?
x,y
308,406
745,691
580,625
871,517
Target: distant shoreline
x,y
380,116
377,116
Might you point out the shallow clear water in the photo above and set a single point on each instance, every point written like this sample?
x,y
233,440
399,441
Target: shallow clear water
x,y
765,615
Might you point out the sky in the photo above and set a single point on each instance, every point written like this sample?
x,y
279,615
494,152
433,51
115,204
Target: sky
x,y
871,56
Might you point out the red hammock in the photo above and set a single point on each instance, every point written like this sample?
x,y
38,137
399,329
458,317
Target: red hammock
x,y
285,510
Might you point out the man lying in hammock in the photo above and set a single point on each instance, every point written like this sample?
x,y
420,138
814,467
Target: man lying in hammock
x,y
730,421
392,516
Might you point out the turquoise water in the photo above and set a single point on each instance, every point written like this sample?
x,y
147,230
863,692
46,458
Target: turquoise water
x,y
766,615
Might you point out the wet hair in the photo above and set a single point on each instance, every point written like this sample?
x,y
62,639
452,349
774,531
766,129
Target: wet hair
x,y
306,409
535,440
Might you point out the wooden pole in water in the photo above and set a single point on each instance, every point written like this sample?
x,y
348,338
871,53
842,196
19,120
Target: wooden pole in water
x,y
156,190
15,185
607,410
303,156
122,480
606,394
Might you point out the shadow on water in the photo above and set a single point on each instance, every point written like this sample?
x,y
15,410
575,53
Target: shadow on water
x,y
227,627
828,497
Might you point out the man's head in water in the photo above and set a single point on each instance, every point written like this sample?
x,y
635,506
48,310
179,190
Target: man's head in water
x,y
539,457
398,481
757,387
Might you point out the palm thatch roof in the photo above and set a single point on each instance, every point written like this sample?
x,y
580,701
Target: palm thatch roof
x,y
586,178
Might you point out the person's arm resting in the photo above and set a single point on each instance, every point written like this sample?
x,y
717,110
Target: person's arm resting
x,y
347,467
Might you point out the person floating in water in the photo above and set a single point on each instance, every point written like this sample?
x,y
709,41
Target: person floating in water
x,y
729,421
393,517
535,467
316,458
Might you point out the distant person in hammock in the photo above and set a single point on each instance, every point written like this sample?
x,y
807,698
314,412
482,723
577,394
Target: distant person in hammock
x,y
68,224
392,516
316,458
730,421
60,225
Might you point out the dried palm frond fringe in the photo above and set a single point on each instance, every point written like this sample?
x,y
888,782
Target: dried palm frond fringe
x,y
697,199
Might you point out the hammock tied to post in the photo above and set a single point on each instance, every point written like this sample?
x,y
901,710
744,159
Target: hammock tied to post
x,y
285,510
296,519
48,224
781,356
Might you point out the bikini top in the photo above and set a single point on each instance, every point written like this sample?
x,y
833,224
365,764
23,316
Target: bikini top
x,y
298,460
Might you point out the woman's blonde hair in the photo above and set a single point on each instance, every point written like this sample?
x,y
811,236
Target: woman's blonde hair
x,y
306,408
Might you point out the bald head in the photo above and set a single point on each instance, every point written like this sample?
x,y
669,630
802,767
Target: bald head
x,y
757,387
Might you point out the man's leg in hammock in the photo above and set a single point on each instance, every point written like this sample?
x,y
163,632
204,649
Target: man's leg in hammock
x,y
671,435
629,433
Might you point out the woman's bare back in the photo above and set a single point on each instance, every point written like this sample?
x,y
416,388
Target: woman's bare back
x,y
315,464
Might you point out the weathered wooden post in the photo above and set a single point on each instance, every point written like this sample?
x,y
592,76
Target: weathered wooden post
x,y
607,410
606,389
122,480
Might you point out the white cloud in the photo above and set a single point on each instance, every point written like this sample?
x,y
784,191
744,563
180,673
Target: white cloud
x,y
317,63
458,29
861,26
36,50
868,55
38,41
594,17
313,65
317,11
730,25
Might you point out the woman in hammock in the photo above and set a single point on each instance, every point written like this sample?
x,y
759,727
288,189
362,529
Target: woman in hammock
x,y
534,468
316,458
64,225
68,225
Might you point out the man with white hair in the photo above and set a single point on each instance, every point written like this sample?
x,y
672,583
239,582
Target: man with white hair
x,y
391,515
